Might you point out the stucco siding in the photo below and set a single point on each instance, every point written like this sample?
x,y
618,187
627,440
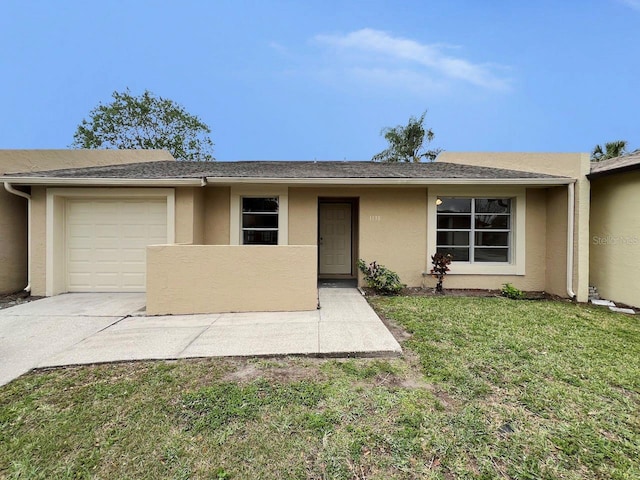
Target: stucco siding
x,y
183,279
556,241
13,242
564,164
615,237
216,204
38,240
19,161
392,228
535,251
572,165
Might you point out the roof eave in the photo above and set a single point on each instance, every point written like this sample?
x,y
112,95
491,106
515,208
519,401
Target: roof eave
x,y
103,182
613,171
392,181
176,182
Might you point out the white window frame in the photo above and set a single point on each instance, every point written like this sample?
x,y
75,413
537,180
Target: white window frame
x,y
235,221
517,245
244,229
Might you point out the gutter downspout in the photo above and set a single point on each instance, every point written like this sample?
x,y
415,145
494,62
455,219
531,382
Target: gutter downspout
x,y
570,234
9,188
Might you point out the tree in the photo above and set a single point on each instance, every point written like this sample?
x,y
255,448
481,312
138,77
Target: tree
x,y
408,143
611,150
145,121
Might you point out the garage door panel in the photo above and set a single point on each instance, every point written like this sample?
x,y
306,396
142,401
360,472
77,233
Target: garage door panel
x,y
106,242
131,280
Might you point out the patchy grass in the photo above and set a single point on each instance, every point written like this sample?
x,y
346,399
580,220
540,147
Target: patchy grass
x,y
489,388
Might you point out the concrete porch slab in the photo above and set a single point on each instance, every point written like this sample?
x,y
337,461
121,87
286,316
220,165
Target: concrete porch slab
x,y
82,305
344,325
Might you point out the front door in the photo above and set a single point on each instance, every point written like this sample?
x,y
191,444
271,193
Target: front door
x,y
335,239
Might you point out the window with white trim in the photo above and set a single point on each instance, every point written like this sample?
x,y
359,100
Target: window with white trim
x,y
259,223
475,230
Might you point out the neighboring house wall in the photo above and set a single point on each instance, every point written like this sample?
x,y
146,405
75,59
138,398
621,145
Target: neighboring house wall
x,y
184,279
13,209
615,237
13,242
574,165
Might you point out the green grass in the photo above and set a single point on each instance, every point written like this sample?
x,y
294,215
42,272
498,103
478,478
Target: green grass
x,y
489,388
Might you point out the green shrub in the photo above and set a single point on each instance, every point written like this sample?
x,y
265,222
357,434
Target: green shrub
x,y
380,278
512,292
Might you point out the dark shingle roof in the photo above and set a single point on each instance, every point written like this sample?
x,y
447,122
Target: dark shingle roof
x,y
615,165
286,170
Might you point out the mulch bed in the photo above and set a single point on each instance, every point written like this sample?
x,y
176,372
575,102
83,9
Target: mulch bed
x,y
463,292
17,298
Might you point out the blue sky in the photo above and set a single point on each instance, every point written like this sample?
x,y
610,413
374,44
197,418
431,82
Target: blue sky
x,y
300,80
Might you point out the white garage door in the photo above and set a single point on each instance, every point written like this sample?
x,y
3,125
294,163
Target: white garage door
x,y
106,242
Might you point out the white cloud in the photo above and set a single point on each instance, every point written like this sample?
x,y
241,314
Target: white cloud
x,y
408,60
635,4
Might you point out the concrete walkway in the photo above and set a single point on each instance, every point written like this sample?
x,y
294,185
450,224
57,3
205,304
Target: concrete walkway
x,y
92,328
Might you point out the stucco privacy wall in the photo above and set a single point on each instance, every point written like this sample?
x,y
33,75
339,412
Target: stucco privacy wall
x,y
13,209
574,165
183,279
392,225
615,237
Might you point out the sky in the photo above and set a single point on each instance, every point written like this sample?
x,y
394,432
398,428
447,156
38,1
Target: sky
x,y
305,80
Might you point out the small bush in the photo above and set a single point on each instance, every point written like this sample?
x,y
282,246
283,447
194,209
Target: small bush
x,y
380,278
441,262
512,292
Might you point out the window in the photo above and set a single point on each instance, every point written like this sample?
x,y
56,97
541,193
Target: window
x,y
260,220
475,230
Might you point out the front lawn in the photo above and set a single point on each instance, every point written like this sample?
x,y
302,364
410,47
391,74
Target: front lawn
x,y
488,388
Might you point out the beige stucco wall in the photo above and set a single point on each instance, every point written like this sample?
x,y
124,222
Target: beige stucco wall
x,y
615,237
563,164
556,241
535,251
13,242
13,209
183,279
190,215
392,225
393,230
573,165
216,203
17,161
38,240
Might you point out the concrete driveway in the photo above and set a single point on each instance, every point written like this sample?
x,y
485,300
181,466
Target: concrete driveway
x,y
88,328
